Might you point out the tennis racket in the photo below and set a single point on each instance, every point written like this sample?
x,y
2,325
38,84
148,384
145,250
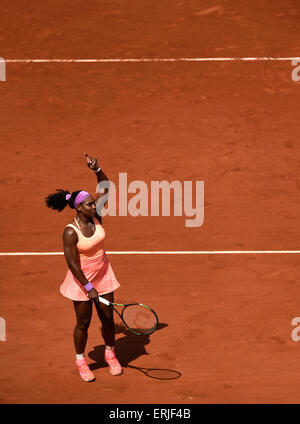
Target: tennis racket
x,y
138,318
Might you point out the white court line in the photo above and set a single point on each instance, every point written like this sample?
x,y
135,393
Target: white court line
x,y
179,59
164,252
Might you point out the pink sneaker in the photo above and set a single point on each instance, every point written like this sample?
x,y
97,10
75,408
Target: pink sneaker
x,y
114,365
84,371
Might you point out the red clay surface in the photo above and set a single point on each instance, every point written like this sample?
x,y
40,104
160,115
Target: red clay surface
x,y
234,125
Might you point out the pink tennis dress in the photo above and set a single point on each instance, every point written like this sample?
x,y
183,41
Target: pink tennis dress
x,y
94,264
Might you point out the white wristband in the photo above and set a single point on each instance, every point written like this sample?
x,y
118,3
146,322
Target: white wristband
x,y
97,170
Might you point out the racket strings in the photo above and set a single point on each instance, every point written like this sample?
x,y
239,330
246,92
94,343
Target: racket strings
x,y
140,319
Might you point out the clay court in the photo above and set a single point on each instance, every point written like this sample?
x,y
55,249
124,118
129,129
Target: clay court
x,y
225,318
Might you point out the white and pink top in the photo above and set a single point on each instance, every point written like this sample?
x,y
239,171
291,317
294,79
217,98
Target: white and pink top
x,y
94,264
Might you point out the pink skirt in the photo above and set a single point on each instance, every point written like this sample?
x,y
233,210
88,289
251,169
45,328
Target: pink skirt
x,y
98,271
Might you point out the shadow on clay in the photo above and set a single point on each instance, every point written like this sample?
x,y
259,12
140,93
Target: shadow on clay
x,y
129,348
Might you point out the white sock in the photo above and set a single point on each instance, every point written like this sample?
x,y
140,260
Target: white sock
x,y
110,348
79,356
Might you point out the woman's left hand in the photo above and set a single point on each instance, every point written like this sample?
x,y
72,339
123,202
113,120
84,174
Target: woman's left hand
x,y
92,163
93,294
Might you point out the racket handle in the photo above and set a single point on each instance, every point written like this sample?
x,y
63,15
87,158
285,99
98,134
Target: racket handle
x,y
102,300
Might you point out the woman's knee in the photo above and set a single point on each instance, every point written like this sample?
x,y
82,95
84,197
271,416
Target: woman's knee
x,y
108,322
83,324
107,316
83,312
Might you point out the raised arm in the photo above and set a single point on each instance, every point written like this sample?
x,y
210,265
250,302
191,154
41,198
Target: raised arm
x,y
92,163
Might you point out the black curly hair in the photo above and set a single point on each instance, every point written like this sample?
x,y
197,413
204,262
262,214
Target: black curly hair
x,y
58,201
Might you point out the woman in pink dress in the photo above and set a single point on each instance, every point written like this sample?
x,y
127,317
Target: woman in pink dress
x,y
89,272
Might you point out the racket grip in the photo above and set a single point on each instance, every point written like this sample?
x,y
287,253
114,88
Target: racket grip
x,y
102,300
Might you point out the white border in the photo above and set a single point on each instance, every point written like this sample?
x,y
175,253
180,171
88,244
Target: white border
x,y
179,59
164,252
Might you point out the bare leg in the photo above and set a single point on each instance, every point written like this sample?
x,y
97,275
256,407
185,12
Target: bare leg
x,y
106,315
83,311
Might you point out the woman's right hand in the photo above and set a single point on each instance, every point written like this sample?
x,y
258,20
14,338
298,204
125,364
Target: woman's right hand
x,y
91,162
93,294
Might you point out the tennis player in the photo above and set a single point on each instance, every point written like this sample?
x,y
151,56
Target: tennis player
x,y
89,273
